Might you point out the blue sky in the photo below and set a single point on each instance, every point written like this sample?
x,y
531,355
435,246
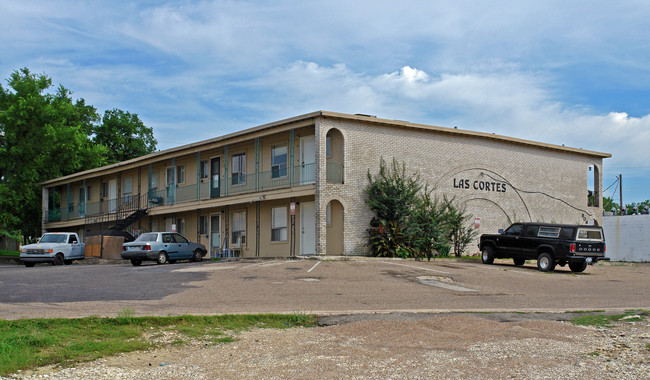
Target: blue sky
x,y
563,72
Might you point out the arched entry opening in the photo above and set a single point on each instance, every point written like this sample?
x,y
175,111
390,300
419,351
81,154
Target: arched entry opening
x,y
334,227
334,152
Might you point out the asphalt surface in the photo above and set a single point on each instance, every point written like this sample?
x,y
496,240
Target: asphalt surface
x,y
337,286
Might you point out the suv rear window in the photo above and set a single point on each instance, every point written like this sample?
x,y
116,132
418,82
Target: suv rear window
x,y
590,234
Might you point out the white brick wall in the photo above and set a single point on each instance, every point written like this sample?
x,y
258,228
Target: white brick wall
x,y
542,184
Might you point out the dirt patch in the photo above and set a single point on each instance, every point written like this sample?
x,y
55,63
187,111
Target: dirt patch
x,y
442,346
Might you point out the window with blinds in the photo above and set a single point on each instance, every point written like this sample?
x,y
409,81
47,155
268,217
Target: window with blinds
x,y
279,224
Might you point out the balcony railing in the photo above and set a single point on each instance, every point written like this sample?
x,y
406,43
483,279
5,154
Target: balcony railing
x,y
240,184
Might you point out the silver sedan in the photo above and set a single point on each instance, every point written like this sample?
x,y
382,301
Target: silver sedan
x,y
162,247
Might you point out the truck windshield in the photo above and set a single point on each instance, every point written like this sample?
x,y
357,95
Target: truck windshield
x,y
53,238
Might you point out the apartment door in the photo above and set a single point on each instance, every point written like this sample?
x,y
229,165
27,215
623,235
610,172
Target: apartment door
x,y
112,195
307,160
215,170
307,228
171,189
82,202
215,235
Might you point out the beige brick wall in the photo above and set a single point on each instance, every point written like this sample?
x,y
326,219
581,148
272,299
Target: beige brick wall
x,y
541,184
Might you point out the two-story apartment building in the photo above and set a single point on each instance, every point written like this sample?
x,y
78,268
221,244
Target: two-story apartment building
x,y
295,186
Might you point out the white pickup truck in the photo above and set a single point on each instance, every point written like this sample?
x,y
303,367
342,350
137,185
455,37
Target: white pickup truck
x,y
57,248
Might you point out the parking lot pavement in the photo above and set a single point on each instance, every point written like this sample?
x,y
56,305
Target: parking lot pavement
x,y
327,286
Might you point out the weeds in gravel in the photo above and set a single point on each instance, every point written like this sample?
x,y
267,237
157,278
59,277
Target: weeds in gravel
x,y
605,320
29,343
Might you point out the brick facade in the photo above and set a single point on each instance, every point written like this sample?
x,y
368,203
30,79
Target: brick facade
x,y
499,181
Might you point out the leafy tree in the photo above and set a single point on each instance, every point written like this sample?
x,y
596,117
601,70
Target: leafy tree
x,y
409,222
125,136
461,231
42,135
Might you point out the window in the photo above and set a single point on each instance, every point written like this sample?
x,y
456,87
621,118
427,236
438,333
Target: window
x,y
203,225
515,229
566,233
154,181
204,169
532,230
180,174
179,238
127,190
239,226
552,232
278,161
103,190
585,234
89,193
279,224
239,169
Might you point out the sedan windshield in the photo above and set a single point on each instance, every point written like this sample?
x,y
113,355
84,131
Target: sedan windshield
x,y
147,237
53,238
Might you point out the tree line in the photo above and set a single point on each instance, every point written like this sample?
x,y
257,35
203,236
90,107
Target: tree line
x,y
45,134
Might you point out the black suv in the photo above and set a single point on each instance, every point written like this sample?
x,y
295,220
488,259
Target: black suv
x,y
549,244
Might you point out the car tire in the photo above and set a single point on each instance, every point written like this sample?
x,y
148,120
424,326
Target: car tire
x,y
545,262
136,263
198,256
58,259
519,261
578,266
162,258
487,255
29,265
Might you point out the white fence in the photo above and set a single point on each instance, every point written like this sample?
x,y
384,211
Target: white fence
x,y
627,237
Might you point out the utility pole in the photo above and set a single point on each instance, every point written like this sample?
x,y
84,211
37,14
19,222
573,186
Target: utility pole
x,y
620,191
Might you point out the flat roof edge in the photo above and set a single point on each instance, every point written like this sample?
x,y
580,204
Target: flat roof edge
x,y
337,115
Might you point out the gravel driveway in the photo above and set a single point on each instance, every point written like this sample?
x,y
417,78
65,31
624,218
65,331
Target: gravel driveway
x,y
468,346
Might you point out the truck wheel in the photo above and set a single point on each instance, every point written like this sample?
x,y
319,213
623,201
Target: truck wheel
x,y
162,258
136,263
578,266
487,255
197,256
545,262
67,262
519,261
29,265
58,259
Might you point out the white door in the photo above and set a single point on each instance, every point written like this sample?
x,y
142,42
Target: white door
x,y
307,160
169,224
112,195
215,235
307,228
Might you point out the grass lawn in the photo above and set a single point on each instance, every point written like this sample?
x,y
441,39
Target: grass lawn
x,y
30,343
10,253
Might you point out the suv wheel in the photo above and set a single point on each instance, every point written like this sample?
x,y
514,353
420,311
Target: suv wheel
x,y
487,255
578,266
519,261
545,262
